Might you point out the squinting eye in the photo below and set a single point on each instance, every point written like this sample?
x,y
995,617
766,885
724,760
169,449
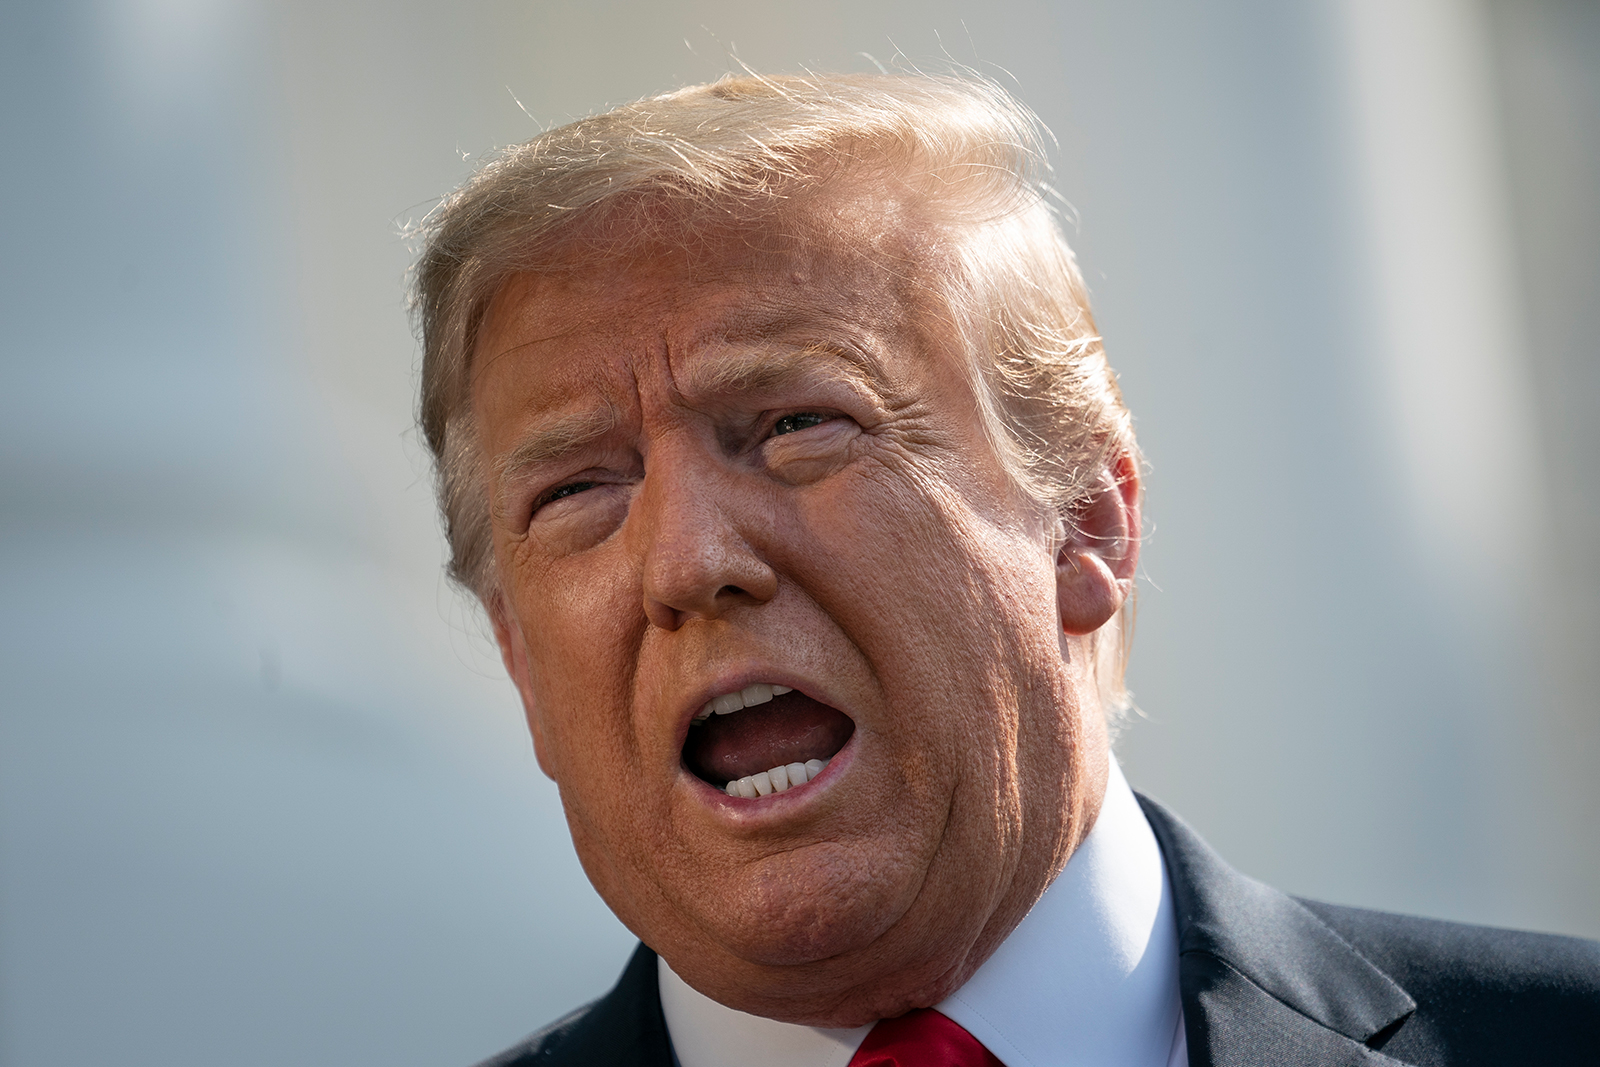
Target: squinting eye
x,y
802,421
570,489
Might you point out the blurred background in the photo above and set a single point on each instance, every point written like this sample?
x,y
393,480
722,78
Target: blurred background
x,y
265,795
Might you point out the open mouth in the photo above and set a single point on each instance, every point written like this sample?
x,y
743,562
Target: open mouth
x,y
763,739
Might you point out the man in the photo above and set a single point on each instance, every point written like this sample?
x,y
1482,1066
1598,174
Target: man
x,y
775,436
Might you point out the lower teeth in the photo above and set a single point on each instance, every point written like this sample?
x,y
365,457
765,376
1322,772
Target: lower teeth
x,y
776,780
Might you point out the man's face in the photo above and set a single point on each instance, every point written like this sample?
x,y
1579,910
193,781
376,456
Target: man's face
x,y
722,468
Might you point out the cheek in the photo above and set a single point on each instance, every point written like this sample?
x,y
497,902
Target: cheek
x,y
924,563
583,632
954,612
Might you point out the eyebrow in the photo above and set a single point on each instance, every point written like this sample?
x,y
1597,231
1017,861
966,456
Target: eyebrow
x,y
761,368
557,437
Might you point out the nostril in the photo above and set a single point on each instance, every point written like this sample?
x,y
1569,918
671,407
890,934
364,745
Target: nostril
x,y
731,590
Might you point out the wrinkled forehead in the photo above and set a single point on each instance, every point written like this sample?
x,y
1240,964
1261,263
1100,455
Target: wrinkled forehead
x,y
840,267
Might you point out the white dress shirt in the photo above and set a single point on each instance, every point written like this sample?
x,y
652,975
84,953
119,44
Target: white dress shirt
x,y
1088,979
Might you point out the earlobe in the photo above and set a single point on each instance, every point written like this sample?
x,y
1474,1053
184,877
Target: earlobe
x,y
514,654
1099,553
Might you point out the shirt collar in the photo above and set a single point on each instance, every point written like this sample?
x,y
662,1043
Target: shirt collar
x,y
1089,977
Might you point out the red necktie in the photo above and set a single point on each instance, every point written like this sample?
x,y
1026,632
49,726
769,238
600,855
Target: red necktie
x,y
922,1038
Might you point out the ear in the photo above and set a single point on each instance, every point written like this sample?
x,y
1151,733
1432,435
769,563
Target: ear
x,y
514,654
1099,556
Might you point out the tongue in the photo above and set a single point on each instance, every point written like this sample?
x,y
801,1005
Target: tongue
x,y
791,728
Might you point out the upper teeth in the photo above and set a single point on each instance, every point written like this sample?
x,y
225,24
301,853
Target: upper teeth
x,y
747,697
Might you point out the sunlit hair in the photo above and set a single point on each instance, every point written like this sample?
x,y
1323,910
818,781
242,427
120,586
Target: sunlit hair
x,y
740,150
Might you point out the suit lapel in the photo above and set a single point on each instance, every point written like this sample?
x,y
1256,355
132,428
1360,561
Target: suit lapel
x,y
624,1028
1263,980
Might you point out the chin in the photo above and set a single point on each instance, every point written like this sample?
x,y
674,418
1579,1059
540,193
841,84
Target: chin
x,y
812,905
801,956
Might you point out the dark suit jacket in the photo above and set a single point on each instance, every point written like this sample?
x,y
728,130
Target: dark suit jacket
x,y
1266,980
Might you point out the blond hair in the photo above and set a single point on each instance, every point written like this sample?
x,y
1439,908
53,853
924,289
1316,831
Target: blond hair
x,y
745,146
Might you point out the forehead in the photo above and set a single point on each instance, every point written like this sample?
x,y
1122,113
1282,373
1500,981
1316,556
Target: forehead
x,y
854,270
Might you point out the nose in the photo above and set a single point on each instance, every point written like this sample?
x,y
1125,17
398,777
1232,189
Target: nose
x,y
688,530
